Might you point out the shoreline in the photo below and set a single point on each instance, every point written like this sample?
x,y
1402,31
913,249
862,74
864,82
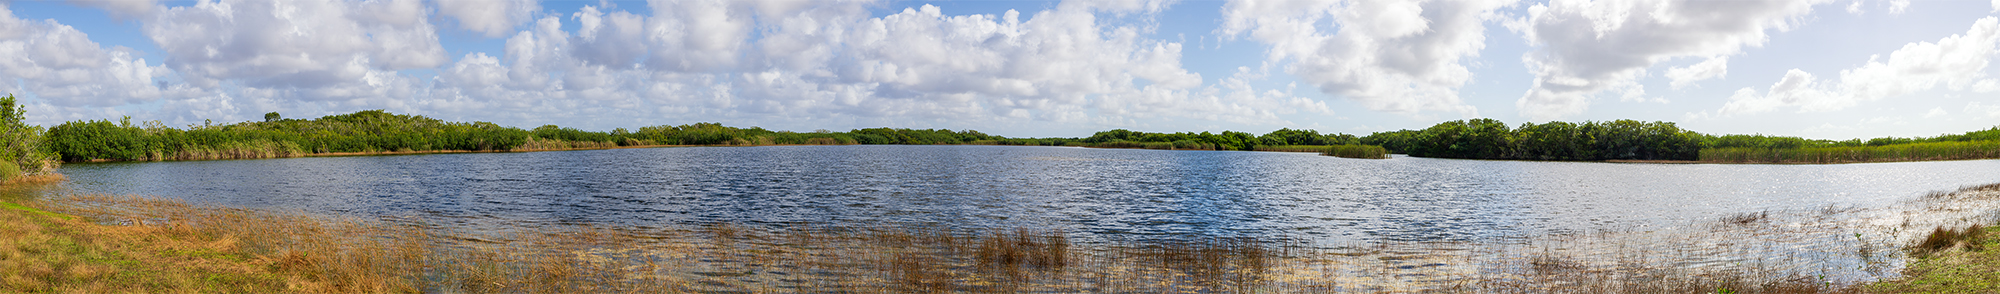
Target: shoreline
x,y
1629,161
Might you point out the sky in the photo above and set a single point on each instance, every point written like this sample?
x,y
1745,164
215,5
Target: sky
x,y
1812,68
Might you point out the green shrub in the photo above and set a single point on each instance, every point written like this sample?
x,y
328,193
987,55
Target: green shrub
x,y
9,171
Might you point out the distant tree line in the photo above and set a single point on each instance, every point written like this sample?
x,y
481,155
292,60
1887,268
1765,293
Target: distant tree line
x,y
1227,140
31,148
380,131
1486,138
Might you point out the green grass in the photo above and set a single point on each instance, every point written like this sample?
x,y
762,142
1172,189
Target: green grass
x,y
1951,261
1885,153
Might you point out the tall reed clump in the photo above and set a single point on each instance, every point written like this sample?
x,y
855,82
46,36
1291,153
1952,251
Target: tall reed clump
x,y
1357,151
1885,153
253,149
536,144
1942,239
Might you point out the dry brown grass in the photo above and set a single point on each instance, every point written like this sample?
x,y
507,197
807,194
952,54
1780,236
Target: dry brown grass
x,y
160,245
38,179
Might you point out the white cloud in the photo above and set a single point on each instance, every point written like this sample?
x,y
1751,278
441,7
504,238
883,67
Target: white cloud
x,y
818,61
1589,47
1936,112
64,68
1957,62
494,18
303,44
1714,67
1395,56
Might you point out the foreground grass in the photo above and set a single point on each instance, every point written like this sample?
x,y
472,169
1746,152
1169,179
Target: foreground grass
x,y
112,244
1953,260
48,252
1956,264
1885,153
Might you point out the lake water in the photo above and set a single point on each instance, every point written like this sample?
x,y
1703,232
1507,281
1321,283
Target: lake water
x,y
1113,193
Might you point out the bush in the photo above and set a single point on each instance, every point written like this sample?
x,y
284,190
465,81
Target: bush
x,y
8,171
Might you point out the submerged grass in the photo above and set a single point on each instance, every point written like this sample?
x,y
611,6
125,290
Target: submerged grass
x,y
1886,153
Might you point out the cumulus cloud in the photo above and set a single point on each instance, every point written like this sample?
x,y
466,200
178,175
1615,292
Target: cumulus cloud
x,y
813,64
64,68
833,61
494,18
1585,47
1712,68
315,47
1395,56
1957,62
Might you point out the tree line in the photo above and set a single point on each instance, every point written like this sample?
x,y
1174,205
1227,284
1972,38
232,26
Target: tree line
x,y
1227,140
1487,138
380,131
31,147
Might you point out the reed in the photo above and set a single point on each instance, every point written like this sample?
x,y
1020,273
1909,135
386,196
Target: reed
x,y
254,149
537,144
1357,151
1885,153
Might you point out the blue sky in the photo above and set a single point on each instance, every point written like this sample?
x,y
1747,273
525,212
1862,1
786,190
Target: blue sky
x,y
1818,69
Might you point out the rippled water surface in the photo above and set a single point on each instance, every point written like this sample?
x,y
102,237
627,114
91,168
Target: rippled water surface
x,y
1093,192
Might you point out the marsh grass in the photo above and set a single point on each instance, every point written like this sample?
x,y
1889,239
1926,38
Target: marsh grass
x,y
537,144
1885,153
1357,151
1942,239
162,245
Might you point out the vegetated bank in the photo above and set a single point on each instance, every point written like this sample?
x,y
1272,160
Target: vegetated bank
x,y
1281,140
376,131
1663,141
380,132
1980,144
1588,141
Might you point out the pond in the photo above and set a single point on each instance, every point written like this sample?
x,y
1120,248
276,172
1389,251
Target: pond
x,y
1118,193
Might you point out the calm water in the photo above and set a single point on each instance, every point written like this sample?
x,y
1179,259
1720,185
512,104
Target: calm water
x,y
1115,193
